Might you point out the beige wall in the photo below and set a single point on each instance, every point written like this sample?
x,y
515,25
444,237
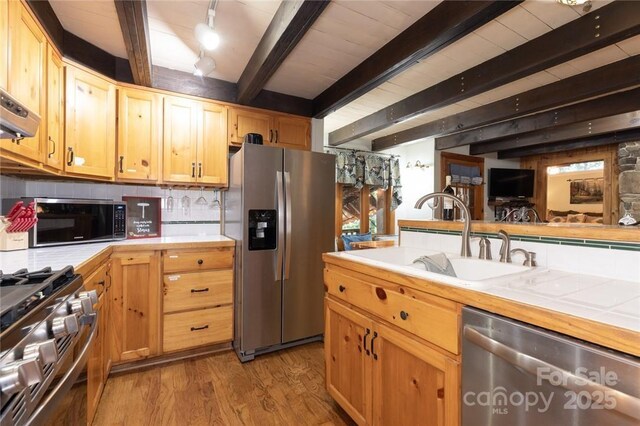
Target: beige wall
x,y
558,192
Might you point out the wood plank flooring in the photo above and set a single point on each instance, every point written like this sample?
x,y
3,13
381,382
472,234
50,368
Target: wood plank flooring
x,y
283,388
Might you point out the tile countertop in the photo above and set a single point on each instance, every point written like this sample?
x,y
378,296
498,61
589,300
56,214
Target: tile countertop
x,y
61,256
600,299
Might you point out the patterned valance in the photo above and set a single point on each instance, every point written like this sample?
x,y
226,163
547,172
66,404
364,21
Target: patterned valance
x,y
359,168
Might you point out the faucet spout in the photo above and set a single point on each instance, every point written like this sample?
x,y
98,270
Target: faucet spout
x,y
465,250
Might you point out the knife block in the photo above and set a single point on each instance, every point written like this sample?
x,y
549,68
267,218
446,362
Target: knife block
x,y
14,241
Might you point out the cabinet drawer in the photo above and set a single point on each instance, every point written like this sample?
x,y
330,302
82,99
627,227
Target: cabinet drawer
x,y
197,290
98,279
181,260
196,328
436,321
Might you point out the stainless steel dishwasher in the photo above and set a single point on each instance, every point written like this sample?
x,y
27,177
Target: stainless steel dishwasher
x,y
516,374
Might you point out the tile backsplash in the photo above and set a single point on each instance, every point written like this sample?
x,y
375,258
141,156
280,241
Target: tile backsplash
x,y
197,220
607,261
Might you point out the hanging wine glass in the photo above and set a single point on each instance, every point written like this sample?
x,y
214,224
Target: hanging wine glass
x,y
215,204
201,201
170,201
186,205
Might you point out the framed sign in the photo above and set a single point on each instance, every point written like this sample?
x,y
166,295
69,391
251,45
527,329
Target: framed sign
x,y
143,217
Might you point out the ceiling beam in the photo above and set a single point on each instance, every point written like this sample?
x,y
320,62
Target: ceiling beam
x,y
605,106
614,123
619,75
288,26
445,24
132,15
581,143
609,24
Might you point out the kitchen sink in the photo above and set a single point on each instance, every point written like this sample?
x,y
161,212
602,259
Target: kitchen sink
x,y
469,272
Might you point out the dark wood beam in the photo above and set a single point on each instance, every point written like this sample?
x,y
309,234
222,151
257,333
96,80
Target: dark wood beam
x,y
605,106
445,24
615,123
212,88
134,24
581,143
606,79
288,26
609,24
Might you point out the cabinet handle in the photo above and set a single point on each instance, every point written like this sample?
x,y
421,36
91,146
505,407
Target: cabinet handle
x,y
199,170
101,282
404,315
54,147
364,342
270,135
276,136
199,290
342,288
121,160
70,157
193,170
200,328
200,261
375,336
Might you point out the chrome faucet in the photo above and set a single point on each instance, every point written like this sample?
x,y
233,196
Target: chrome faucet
x,y
465,251
529,256
505,248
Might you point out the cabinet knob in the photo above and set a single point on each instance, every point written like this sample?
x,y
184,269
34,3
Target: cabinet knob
x,y
200,261
342,288
404,315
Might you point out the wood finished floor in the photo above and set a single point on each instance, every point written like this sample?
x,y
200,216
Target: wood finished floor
x,y
283,388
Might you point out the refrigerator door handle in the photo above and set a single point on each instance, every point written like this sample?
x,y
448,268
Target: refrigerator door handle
x,y
281,218
289,215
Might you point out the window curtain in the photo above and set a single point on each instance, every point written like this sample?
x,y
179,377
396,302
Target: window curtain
x,y
365,168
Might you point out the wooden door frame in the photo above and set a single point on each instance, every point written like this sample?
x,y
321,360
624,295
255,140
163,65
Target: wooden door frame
x,y
448,158
608,154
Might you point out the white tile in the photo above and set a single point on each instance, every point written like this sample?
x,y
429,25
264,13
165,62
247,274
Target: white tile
x,y
567,285
606,295
619,320
632,307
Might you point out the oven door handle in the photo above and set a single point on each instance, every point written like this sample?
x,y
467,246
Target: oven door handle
x,y
624,403
46,407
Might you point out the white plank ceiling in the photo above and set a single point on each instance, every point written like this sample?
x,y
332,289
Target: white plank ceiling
x,y
345,34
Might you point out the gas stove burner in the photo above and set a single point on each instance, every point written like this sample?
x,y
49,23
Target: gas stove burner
x,y
22,291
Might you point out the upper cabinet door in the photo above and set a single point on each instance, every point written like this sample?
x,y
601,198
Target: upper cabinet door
x,y
90,124
244,121
25,81
54,153
4,43
212,145
181,118
139,135
292,132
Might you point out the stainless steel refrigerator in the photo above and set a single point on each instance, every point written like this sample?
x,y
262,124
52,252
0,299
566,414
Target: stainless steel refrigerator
x,y
280,210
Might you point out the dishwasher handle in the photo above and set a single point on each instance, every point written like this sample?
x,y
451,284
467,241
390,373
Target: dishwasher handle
x,y
625,404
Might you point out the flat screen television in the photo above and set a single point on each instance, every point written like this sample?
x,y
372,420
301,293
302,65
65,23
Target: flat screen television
x,y
511,183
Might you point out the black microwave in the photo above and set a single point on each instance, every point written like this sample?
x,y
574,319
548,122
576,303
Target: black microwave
x,y
73,221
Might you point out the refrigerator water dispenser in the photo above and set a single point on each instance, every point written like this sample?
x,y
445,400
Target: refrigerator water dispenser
x,y
262,229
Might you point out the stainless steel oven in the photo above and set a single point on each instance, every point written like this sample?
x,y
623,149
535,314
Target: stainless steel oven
x,y
71,221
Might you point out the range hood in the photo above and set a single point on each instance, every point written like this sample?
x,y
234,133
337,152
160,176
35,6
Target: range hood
x,y
16,121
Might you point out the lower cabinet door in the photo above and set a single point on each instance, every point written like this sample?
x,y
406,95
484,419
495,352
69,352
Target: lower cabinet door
x,y
413,383
95,369
348,366
189,329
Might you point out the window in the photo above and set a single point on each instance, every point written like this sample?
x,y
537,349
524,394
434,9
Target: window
x,y
374,202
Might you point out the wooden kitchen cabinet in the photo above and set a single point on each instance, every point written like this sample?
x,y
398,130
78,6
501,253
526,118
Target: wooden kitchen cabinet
x,y
243,121
139,135
391,354
197,298
292,132
54,152
286,131
135,306
4,43
347,365
90,124
26,75
195,149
